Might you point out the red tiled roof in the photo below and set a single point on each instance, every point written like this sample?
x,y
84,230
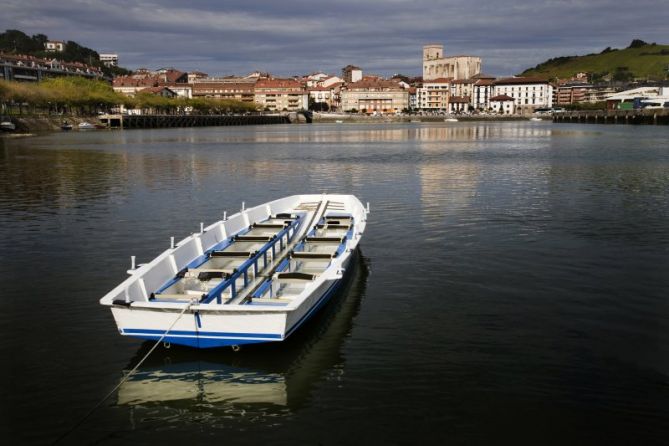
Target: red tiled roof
x,y
484,82
225,86
366,84
463,81
173,75
128,81
520,80
501,98
278,83
441,80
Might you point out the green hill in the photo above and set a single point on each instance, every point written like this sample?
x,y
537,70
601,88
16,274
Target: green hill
x,y
638,61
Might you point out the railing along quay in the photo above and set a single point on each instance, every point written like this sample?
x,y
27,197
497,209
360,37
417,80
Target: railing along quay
x,y
166,121
646,117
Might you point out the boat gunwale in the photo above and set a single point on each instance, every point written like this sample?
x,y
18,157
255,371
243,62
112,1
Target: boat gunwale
x,y
137,274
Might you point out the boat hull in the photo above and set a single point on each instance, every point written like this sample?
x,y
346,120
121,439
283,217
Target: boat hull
x,y
211,329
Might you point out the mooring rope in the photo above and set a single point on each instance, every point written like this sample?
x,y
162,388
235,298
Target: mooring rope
x,y
125,378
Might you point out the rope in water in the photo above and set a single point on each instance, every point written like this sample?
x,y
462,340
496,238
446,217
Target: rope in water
x,y
125,378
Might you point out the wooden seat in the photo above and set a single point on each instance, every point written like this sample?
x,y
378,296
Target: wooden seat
x,y
312,255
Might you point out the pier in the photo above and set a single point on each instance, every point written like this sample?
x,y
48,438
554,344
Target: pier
x,y
643,117
166,121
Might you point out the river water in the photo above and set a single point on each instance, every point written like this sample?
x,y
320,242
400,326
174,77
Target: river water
x,y
511,286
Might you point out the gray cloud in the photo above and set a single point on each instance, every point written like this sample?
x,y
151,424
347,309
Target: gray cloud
x,y
296,36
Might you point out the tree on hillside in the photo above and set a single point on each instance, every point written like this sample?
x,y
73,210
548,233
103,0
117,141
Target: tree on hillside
x,y
15,41
623,74
637,43
75,52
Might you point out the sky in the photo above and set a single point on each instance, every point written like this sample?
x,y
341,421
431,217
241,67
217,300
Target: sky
x,y
291,37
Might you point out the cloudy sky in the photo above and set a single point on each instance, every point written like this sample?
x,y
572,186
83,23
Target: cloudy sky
x,y
288,37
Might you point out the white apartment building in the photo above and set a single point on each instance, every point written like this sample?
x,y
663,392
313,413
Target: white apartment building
x,y
502,104
109,59
528,93
56,46
481,93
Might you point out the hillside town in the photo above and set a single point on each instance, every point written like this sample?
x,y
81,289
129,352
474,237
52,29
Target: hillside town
x,y
448,85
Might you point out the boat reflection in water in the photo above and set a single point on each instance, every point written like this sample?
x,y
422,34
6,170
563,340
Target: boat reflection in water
x,y
261,380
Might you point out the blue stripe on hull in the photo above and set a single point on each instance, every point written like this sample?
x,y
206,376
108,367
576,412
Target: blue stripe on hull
x,y
216,334
202,339
202,342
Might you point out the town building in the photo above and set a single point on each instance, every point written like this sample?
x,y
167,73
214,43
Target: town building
x,y
436,65
528,93
281,95
459,104
330,81
175,80
599,93
462,87
413,98
351,74
502,104
24,68
159,91
571,93
655,96
380,97
238,91
313,79
109,59
54,46
482,91
434,95
323,98
195,76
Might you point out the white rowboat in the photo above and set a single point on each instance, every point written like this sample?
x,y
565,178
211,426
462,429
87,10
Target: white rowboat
x,y
251,278
7,126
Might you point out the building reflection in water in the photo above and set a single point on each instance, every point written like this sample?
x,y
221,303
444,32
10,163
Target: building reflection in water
x,y
49,172
259,381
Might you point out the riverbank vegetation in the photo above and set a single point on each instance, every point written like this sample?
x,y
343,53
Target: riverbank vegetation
x,y
79,96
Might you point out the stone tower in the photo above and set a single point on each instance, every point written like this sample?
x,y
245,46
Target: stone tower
x,y
433,51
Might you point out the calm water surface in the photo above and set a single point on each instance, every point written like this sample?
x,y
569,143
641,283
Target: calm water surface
x,y
511,286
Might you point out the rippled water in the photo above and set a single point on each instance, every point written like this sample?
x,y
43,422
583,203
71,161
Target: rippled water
x,y
511,287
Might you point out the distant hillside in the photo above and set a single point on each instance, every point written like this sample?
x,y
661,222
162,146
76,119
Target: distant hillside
x,y
639,60
17,42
